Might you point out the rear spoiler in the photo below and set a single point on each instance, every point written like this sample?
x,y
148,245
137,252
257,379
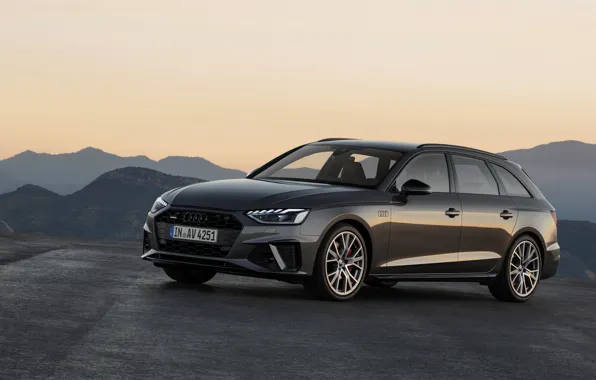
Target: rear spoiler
x,y
520,168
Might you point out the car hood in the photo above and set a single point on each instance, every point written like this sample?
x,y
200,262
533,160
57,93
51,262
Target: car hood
x,y
247,194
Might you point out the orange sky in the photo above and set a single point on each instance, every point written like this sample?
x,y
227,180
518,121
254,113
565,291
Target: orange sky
x,y
238,82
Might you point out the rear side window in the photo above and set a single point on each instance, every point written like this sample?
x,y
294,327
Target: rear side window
x,y
430,168
512,185
474,177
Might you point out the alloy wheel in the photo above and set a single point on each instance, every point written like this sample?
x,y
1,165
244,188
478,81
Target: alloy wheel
x,y
524,268
344,263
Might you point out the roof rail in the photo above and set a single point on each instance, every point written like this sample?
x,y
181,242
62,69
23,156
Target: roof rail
x,y
463,148
335,139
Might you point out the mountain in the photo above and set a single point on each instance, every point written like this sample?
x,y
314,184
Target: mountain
x,y
557,155
5,228
113,206
69,172
566,173
578,246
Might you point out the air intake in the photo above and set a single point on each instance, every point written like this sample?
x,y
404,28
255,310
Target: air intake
x,y
283,257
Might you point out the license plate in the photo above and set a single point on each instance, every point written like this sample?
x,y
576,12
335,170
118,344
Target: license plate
x,y
193,233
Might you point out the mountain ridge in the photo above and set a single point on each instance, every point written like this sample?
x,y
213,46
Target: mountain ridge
x,y
113,206
66,173
563,170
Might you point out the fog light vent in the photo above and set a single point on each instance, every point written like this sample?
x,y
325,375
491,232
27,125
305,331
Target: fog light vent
x,y
277,257
287,256
146,242
263,257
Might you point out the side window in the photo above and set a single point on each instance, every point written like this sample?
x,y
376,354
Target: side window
x,y
512,185
474,177
430,168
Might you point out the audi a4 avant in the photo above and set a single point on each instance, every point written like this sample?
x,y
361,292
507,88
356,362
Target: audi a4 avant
x,y
335,214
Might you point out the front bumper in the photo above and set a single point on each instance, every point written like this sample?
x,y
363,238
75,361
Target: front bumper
x,y
552,258
266,251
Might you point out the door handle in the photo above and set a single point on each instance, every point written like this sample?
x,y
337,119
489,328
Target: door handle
x,y
452,213
506,214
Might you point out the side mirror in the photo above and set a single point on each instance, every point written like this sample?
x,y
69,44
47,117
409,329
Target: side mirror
x,y
415,187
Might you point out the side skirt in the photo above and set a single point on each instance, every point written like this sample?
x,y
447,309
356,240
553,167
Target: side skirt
x,y
442,277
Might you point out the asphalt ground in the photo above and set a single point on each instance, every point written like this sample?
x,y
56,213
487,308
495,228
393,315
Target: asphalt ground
x,y
72,310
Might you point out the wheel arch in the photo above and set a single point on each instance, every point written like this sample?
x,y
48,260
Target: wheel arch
x,y
533,233
363,228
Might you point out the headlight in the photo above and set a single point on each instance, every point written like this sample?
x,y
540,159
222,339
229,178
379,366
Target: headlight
x,y
279,216
158,205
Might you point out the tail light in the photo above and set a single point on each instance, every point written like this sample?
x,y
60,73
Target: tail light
x,y
554,214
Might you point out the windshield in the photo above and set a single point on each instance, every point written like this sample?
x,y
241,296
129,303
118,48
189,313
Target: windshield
x,y
351,166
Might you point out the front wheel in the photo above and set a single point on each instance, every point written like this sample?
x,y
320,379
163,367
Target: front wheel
x,y
185,275
340,266
520,272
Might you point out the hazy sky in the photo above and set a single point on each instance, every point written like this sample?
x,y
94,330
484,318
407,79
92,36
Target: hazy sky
x,y
240,81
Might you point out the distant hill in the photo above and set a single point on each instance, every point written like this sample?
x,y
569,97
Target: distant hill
x,y
70,172
578,243
5,229
113,206
566,173
562,154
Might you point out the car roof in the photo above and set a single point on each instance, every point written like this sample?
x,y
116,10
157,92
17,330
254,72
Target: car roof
x,y
403,146
374,144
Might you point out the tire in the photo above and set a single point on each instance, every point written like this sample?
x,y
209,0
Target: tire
x,y
508,286
385,284
349,274
192,276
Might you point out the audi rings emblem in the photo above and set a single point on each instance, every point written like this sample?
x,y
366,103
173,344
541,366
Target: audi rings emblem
x,y
194,217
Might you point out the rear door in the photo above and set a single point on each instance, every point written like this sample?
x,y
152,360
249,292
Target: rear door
x,y
488,218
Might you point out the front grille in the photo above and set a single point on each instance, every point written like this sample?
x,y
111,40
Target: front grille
x,y
228,227
220,221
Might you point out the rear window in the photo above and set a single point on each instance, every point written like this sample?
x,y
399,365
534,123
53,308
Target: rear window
x,y
512,185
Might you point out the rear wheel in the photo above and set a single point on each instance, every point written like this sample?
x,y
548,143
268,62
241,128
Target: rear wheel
x,y
185,275
340,266
520,272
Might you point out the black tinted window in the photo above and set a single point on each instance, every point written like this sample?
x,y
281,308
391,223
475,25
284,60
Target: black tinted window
x,y
428,168
512,185
474,177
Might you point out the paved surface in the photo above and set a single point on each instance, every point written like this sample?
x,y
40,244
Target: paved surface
x,y
79,311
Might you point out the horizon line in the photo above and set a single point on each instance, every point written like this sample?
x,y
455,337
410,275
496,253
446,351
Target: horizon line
x,y
89,147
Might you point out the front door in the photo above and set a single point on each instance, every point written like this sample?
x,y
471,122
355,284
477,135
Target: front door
x,y
426,229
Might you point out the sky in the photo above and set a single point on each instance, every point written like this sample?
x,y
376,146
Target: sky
x,y
239,82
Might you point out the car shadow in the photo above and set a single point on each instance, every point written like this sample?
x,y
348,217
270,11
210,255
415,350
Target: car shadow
x,y
421,294
367,294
